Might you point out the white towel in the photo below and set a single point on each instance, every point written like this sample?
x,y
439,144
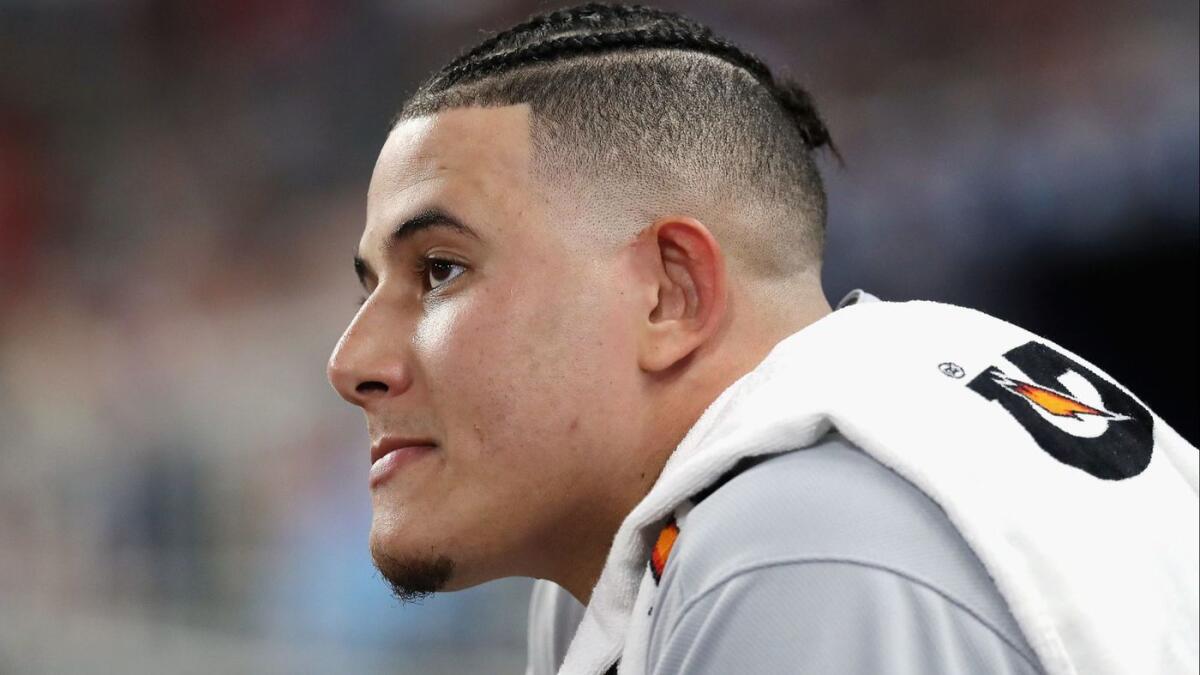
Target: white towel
x,y
1081,503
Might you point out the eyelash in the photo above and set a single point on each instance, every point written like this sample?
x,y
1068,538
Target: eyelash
x,y
421,270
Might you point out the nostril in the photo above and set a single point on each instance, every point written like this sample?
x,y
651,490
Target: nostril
x,y
371,386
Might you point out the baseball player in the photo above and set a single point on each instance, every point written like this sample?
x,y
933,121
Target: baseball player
x,y
594,350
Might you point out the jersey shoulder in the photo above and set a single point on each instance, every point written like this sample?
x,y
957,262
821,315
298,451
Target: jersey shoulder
x,y
829,504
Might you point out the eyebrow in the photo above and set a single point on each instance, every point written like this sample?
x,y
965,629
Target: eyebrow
x,y
427,219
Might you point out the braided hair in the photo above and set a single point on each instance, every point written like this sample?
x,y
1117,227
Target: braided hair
x,y
657,105
595,28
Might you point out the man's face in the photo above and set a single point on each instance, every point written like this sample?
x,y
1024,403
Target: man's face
x,y
515,357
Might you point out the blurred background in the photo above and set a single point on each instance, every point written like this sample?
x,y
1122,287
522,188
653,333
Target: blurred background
x,y
182,185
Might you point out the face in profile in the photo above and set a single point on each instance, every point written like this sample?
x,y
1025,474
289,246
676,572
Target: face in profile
x,y
491,337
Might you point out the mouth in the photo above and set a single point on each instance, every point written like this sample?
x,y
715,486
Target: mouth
x,y
391,444
390,453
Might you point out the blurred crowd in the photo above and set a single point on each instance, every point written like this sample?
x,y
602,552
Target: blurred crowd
x,y
182,185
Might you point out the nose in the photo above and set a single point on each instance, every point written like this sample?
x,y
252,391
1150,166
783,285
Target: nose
x,y
367,364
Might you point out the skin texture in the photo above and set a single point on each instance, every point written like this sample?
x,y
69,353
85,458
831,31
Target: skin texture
x,y
554,376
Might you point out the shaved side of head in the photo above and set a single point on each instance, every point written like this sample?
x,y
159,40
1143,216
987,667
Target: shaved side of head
x,y
640,113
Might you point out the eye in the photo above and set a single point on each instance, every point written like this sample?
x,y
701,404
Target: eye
x,y
436,271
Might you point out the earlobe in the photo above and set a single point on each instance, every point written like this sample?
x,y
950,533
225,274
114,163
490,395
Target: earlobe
x,y
689,269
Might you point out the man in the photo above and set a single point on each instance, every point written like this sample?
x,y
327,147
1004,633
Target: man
x,y
595,350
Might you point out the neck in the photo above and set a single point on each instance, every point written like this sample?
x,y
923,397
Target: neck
x,y
682,401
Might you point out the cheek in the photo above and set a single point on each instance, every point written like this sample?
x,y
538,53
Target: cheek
x,y
520,368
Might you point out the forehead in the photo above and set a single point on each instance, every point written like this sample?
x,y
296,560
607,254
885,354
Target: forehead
x,y
474,162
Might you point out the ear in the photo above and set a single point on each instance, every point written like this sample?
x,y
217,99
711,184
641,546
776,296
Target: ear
x,y
686,268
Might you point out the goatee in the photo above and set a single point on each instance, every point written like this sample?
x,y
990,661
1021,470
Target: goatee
x,y
413,579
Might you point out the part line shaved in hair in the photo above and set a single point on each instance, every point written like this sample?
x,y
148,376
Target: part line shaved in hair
x,y
640,113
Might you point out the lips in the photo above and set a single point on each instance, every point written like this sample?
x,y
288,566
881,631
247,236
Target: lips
x,y
390,456
389,444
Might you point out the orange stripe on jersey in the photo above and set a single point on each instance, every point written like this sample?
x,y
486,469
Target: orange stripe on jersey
x,y
662,549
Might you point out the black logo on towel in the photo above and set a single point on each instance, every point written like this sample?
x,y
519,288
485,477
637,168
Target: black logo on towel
x,y
1078,417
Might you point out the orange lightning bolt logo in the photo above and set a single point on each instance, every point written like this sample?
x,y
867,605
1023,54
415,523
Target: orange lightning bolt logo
x,y
1078,416
1053,402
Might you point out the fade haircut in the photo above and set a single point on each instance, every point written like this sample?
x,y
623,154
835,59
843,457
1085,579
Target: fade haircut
x,y
648,111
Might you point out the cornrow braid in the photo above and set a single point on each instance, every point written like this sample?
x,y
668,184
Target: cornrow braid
x,y
533,43
597,14
564,46
798,102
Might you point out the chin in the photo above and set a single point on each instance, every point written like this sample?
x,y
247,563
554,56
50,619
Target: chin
x,y
413,575
416,566
390,538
